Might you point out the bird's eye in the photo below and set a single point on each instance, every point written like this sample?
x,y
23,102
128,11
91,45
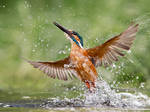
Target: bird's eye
x,y
74,32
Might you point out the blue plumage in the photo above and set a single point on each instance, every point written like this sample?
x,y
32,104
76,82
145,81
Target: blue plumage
x,y
81,40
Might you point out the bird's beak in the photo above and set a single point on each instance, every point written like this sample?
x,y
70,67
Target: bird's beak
x,y
63,29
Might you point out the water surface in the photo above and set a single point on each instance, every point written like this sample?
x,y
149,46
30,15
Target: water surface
x,y
103,99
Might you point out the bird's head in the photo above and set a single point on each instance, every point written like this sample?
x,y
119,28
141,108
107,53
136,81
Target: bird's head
x,y
71,35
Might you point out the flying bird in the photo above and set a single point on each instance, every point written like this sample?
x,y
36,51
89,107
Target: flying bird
x,y
81,62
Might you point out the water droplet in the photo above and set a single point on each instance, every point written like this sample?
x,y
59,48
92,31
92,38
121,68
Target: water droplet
x,y
59,6
117,90
69,49
59,52
131,61
21,24
42,40
142,85
24,39
33,50
113,65
64,52
129,51
26,97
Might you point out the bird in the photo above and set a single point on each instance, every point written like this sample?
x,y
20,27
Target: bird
x,y
82,62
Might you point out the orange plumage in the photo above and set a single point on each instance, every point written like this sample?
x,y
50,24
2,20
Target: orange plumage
x,y
82,62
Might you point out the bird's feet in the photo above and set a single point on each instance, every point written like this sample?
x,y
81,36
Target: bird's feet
x,y
91,86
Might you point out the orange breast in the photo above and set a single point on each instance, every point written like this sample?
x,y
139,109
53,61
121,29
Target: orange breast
x,y
84,67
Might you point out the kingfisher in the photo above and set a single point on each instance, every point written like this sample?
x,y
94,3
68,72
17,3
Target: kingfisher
x,y
81,62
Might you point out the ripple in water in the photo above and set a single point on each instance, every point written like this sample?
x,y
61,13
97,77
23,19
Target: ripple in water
x,y
103,96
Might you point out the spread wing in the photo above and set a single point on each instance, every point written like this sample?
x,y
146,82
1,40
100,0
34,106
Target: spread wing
x,y
61,69
108,52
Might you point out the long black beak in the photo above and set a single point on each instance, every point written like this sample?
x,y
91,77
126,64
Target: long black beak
x,y
63,29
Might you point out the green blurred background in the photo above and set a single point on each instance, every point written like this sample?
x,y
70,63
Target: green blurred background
x,y
26,30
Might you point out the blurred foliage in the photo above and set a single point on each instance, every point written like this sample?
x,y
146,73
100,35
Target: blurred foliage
x,y
26,30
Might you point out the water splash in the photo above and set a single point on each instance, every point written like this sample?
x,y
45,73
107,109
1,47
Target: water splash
x,y
103,97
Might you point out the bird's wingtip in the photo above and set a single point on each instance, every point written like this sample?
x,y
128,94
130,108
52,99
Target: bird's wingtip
x,y
25,59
